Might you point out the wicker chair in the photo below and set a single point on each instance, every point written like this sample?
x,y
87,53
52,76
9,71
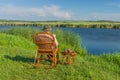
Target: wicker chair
x,y
45,46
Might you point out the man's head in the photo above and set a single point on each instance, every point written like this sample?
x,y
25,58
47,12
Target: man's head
x,y
47,28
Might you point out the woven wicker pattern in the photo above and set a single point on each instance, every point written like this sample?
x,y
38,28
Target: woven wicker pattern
x,y
44,41
43,38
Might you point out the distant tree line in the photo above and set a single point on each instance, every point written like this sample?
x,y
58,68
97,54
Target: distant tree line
x,y
66,24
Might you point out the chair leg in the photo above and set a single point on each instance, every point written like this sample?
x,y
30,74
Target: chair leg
x,y
67,60
57,58
39,56
63,59
70,60
53,60
35,58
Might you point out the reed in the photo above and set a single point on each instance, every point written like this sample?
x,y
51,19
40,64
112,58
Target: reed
x,y
66,39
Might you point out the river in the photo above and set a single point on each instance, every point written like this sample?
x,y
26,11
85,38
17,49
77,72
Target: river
x,y
97,41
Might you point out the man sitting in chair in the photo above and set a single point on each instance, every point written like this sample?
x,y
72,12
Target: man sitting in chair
x,y
48,29
46,43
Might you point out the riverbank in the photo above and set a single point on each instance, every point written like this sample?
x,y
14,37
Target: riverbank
x,y
72,24
92,39
17,54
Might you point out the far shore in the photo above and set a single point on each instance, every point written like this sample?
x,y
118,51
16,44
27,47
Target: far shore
x,y
71,24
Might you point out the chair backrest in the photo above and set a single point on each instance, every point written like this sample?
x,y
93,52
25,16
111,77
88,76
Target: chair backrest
x,y
44,41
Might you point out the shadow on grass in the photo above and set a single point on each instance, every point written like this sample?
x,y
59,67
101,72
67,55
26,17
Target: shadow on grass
x,y
20,59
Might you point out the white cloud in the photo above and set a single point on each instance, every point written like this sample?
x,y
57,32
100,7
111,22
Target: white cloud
x,y
114,4
34,13
106,16
99,16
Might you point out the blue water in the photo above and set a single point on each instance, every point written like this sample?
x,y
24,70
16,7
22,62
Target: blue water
x,y
96,41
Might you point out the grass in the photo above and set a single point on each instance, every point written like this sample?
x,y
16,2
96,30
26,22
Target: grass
x,y
66,39
15,41
16,62
26,32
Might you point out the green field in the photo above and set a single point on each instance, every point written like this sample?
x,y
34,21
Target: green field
x,y
17,53
72,24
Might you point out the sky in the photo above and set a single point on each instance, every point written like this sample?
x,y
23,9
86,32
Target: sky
x,y
45,10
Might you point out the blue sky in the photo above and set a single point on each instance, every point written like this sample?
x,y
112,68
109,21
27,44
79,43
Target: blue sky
x,y
42,10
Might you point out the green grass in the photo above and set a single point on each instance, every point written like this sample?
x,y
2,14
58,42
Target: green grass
x,y
16,64
66,39
26,32
17,55
15,41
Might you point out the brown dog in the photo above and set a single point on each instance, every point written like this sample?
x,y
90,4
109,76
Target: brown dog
x,y
69,55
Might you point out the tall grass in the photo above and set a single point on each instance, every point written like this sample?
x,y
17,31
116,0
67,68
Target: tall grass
x,y
66,39
15,41
26,32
